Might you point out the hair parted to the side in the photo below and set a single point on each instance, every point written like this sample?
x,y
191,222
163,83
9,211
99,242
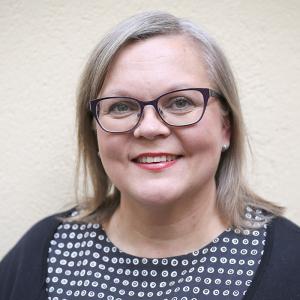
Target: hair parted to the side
x,y
99,198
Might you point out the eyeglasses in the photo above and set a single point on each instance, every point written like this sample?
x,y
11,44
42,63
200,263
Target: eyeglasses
x,y
177,108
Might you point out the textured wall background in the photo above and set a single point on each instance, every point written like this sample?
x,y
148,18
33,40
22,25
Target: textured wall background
x,y
44,45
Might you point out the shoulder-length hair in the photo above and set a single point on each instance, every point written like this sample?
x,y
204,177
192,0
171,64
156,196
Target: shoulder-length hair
x,y
98,197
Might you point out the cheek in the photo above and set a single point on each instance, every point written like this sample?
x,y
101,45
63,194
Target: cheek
x,y
110,150
204,151
202,139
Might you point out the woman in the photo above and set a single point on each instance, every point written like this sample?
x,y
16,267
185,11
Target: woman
x,y
168,215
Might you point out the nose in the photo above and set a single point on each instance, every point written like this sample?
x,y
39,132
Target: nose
x,y
151,125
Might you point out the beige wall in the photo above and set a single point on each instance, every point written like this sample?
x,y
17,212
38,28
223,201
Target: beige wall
x,y
44,45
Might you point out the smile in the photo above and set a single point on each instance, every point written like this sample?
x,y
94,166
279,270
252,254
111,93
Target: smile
x,y
155,159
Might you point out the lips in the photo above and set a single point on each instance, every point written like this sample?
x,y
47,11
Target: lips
x,y
155,161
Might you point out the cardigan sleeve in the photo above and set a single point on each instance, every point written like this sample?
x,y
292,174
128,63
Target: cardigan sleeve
x,y
278,276
23,269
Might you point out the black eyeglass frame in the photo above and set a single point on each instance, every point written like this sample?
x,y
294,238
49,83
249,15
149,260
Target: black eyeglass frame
x,y
206,93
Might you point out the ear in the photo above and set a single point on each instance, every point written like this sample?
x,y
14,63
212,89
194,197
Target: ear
x,y
94,125
226,128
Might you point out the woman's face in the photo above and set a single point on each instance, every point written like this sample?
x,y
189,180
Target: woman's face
x,y
145,70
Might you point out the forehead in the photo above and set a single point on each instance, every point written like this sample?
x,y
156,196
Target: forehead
x,y
162,61
158,48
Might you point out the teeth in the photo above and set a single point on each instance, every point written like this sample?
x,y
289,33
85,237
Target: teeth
x,y
155,159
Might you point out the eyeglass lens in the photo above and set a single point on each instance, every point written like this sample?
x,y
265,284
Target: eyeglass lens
x,y
179,108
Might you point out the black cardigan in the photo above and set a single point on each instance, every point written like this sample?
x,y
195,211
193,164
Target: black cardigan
x,y
24,269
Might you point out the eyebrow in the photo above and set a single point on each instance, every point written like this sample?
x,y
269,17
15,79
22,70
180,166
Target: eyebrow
x,y
127,93
116,92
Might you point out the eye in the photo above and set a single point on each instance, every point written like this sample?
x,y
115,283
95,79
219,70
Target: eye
x,y
120,108
179,104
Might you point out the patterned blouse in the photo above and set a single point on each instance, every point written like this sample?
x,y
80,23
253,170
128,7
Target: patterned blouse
x,y
84,264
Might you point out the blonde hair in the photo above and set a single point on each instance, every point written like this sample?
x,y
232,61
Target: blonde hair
x,y
100,198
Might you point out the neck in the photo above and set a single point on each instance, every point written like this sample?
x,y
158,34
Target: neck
x,y
165,230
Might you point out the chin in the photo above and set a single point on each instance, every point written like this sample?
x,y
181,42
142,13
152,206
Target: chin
x,y
155,197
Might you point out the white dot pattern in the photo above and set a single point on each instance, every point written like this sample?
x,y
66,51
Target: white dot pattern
x,y
84,264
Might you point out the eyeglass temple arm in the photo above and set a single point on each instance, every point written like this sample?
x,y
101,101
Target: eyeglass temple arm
x,y
213,93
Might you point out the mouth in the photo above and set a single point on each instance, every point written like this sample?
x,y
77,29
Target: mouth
x,y
156,161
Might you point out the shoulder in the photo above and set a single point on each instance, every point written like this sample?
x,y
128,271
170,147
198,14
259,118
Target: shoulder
x,y
278,274
283,244
285,224
40,233
25,263
285,233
